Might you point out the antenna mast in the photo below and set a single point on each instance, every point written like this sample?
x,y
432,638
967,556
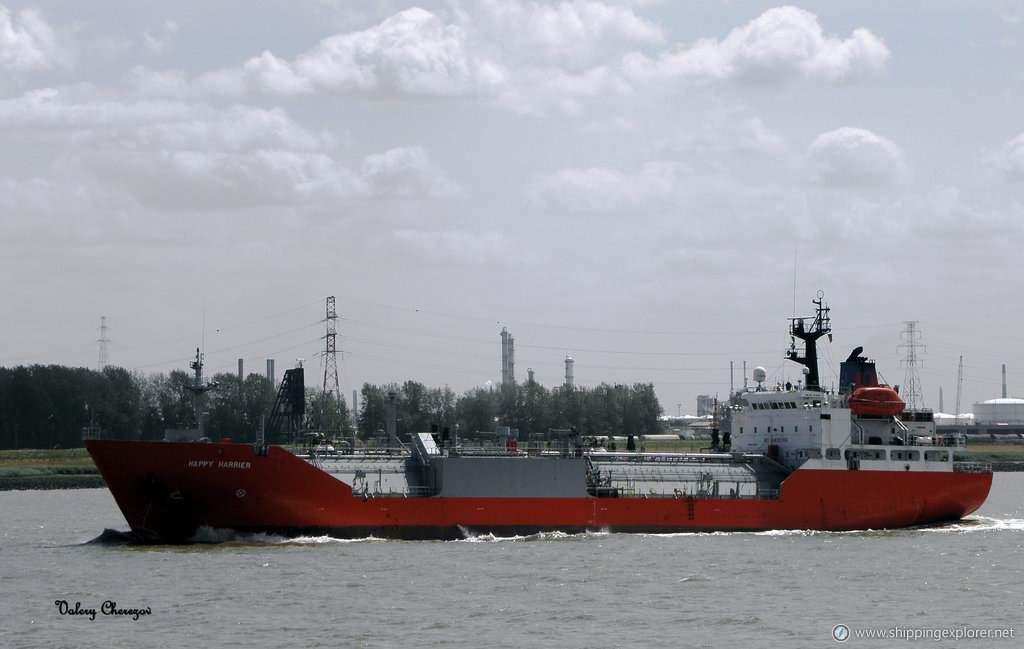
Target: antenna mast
x,y
820,326
199,389
911,379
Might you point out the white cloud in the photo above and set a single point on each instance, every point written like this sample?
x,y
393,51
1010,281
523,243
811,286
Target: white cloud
x,y
28,43
157,44
406,172
454,247
529,57
161,83
612,125
412,52
271,74
853,157
174,155
605,190
574,33
1008,161
781,44
731,131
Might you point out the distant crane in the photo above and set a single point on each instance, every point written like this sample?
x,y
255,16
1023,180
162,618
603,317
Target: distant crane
x,y
959,387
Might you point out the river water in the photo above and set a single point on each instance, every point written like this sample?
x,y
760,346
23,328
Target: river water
x,y
592,591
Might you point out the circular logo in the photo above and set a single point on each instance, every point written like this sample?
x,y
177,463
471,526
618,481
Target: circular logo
x,y
841,633
240,493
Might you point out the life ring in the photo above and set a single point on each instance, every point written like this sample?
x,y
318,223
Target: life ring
x,y
679,494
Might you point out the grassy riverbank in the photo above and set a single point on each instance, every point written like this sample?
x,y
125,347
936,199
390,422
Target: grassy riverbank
x,y
1003,455
48,469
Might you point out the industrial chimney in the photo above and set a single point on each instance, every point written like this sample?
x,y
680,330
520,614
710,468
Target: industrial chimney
x,y
508,362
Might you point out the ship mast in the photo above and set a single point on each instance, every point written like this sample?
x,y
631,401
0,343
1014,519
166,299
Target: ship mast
x,y
199,389
810,335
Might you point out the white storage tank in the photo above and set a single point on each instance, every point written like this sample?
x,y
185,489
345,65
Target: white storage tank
x,y
999,411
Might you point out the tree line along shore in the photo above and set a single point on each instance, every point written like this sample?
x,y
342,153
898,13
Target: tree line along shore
x,y
50,406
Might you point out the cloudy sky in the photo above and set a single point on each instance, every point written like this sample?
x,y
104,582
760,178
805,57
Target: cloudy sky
x,y
649,187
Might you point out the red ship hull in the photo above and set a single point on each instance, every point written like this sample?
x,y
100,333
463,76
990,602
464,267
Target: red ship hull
x,y
170,490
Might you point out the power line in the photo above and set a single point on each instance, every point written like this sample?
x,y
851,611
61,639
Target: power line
x,y
911,379
104,358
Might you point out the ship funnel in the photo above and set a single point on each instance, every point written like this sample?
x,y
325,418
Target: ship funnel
x,y
857,372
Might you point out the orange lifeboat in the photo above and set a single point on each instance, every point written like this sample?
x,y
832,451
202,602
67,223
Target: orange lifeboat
x,y
880,401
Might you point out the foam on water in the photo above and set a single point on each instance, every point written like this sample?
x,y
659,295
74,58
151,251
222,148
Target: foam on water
x,y
326,539
469,537
210,535
978,524
224,536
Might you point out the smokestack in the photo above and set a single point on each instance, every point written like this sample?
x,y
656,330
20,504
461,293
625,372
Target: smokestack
x,y
240,375
1004,380
504,355
270,371
569,362
508,362
511,360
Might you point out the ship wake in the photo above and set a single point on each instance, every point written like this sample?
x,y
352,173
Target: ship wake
x,y
979,524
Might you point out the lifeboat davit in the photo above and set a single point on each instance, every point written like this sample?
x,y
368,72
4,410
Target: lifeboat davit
x,y
880,400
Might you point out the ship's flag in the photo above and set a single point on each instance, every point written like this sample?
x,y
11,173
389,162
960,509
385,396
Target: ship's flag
x,y
830,337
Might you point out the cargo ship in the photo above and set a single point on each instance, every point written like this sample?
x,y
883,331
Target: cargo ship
x,y
792,457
